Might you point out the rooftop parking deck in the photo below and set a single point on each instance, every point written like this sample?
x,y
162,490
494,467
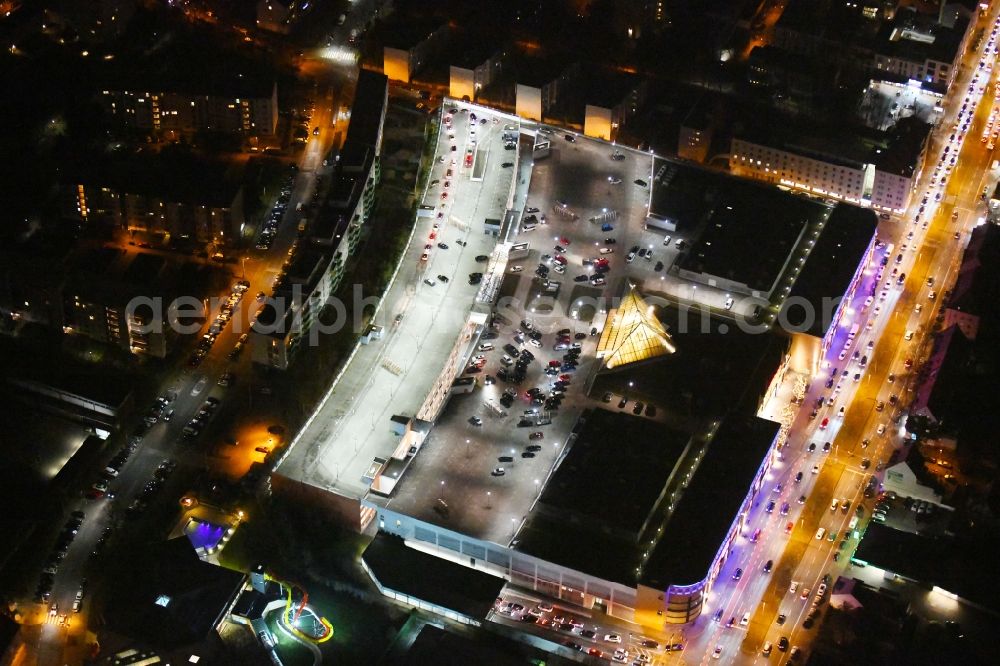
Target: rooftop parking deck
x,y
394,375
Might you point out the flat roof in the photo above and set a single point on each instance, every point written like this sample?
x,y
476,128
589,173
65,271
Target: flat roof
x,y
896,150
833,262
717,368
608,87
470,48
904,145
826,20
433,579
307,267
742,230
538,70
37,447
705,512
960,565
688,194
408,28
442,647
172,174
330,226
144,268
91,382
367,109
716,374
936,41
167,597
595,507
335,449
596,482
729,246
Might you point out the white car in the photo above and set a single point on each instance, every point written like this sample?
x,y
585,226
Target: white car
x,y
516,269
745,620
613,638
717,652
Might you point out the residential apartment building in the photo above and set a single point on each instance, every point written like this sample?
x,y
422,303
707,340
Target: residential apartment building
x,y
541,83
94,21
165,195
287,319
923,46
106,295
611,99
478,62
875,169
410,44
250,109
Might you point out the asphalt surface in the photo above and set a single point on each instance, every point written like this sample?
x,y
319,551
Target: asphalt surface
x,y
55,644
933,251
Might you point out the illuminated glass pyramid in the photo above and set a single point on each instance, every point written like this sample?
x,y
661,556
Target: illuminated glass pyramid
x,y
633,333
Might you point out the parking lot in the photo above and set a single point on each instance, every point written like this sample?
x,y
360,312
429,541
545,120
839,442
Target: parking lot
x,y
423,316
480,469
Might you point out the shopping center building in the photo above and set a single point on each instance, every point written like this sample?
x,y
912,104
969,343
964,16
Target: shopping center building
x,y
631,513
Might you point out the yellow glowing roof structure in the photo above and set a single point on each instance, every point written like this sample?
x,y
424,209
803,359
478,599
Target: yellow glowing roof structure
x,y
633,333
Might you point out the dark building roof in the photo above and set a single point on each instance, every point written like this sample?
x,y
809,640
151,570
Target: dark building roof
x,y
977,290
441,647
437,581
165,596
176,176
596,483
740,230
367,109
691,532
897,150
962,566
941,391
8,631
157,59
830,267
537,70
471,48
608,88
903,147
330,226
98,384
730,247
144,269
689,195
406,30
346,190
709,505
940,42
826,19
712,374
251,604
